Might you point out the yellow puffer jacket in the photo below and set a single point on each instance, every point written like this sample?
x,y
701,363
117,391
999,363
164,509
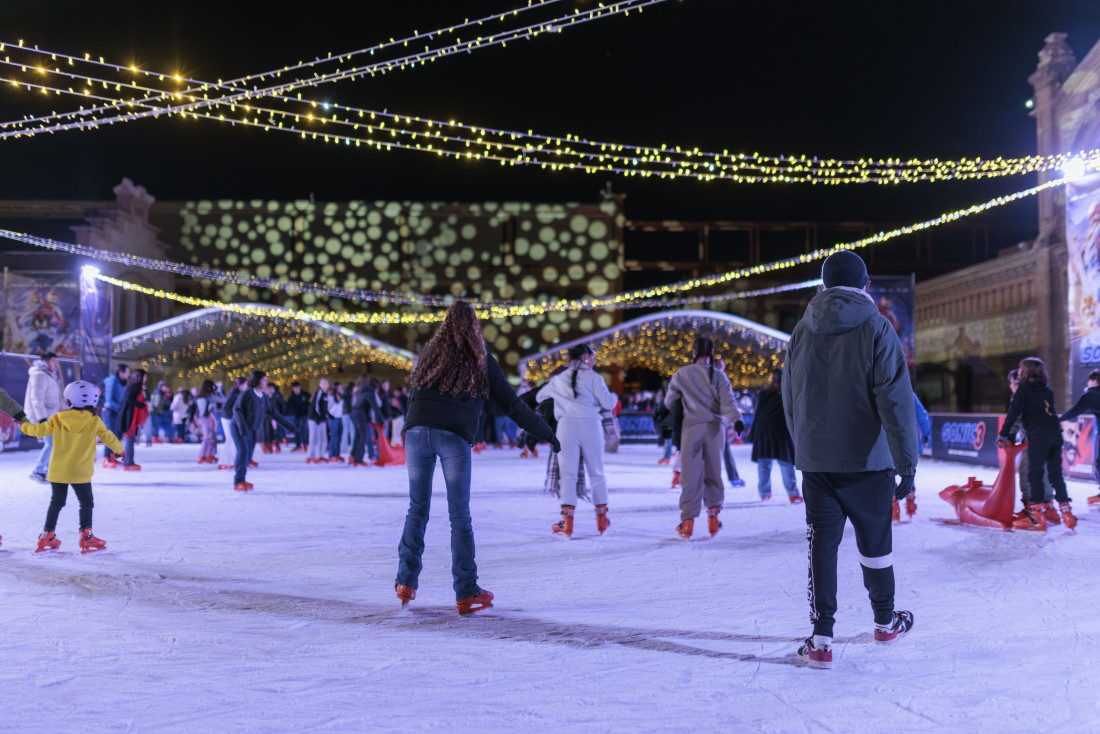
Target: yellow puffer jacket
x,y
74,433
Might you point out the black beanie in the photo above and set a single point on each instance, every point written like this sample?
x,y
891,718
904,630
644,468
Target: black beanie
x,y
844,268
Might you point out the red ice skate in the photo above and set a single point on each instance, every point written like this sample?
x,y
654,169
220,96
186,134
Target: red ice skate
x,y
713,524
565,525
109,463
895,513
131,467
1053,517
253,464
472,604
89,543
1067,515
675,479
1094,500
47,541
910,505
662,462
685,528
405,594
1032,518
602,523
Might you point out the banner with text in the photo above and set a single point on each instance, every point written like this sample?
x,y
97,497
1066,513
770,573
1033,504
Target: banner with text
x,y
1083,271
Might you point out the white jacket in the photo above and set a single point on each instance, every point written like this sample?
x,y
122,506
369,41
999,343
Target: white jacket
x,y
44,392
179,409
592,394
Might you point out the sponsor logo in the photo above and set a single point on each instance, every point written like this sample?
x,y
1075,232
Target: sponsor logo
x,y
964,435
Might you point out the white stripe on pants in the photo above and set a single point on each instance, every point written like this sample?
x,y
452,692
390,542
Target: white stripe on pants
x,y
577,435
701,449
318,440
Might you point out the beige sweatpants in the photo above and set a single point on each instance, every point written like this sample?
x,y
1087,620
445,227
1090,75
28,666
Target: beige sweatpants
x,y
701,449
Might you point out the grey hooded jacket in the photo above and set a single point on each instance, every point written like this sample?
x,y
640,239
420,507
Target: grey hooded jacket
x,y
846,390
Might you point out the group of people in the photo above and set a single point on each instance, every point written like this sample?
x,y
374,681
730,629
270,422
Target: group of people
x,y
843,398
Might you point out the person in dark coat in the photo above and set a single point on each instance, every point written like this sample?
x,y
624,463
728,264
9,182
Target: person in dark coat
x,y
1033,404
132,416
251,411
771,441
1088,403
453,376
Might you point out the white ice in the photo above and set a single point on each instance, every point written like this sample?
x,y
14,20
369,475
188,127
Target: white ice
x,y
274,611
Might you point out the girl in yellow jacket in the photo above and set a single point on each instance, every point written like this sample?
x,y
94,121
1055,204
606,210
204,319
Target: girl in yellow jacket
x,y
74,433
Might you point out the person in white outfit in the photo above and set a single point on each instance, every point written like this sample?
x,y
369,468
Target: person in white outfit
x,y
579,394
708,400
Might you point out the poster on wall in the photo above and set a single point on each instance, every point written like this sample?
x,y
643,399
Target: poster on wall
x,y
41,314
894,296
1083,275
96,313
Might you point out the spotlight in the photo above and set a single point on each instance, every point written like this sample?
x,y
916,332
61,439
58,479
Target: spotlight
x,y
91,272
1074,168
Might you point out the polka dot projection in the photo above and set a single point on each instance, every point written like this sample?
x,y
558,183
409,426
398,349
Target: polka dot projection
x,y
513,250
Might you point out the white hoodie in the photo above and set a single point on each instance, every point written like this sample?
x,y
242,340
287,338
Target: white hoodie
x,y
592,394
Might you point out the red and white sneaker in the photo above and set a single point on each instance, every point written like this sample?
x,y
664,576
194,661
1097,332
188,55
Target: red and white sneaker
x,y
902,623
472,604
818,655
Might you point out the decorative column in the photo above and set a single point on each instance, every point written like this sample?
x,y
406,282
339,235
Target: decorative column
x,y
1056,63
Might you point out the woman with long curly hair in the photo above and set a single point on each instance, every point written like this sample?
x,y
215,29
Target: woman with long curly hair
x,y
453,376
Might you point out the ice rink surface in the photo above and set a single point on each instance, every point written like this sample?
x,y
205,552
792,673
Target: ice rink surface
x,y
274,611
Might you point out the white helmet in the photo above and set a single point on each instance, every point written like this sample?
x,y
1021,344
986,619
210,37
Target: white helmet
x,y
81,394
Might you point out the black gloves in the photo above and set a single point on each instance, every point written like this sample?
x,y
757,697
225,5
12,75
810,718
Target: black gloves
x,y
21,417
739,426
556,445
905,486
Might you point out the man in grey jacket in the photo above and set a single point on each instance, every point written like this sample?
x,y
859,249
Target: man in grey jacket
x,y
849,405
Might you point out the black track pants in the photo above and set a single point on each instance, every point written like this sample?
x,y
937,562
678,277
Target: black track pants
x,y
865,498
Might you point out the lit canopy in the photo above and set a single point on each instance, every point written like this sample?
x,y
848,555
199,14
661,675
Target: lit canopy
x,y
215,343
662,342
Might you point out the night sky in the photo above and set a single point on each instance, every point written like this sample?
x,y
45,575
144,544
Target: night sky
x,y
845,79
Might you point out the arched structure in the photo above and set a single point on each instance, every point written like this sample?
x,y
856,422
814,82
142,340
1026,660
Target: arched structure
x,y
662,342
216,343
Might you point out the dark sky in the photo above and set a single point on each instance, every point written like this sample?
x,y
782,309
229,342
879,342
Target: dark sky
x,y
842,79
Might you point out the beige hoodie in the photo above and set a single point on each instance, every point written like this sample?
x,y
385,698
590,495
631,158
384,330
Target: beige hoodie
x,y
706,394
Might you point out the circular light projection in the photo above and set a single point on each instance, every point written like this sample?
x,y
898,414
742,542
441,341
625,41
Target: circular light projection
x,y
538,252
468,231
547,234
578,223
605,320
549,333
597,230
598,286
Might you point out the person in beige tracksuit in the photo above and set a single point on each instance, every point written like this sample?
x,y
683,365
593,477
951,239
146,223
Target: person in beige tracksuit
x,y
708,401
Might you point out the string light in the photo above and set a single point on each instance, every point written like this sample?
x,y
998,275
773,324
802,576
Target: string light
x,y
663,345
572,152
501,309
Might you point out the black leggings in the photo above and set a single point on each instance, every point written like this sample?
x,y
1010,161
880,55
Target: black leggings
x,y
60,493
1045,452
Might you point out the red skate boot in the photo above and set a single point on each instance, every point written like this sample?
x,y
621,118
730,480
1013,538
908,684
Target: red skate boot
x,y
1094,500
405,593
47,541
910,505
675,480
602,523
242,486
1067,515
253,464
565,525
685,528
1053,518
713,524
472,604
131,467
89,543
896,513
662,462
1032,518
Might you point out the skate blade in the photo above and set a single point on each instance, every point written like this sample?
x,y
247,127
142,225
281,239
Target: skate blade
x,y
473,610
86,551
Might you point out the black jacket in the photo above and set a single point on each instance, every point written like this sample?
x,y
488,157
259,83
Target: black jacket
x,y
318,407
770,437
846,390
1033,404
1087,403
459,413
298,404
129,405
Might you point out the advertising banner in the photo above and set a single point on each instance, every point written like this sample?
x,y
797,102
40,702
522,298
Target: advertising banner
x,y
895,297
96,312
1079,447
42,314
967,437
1083,275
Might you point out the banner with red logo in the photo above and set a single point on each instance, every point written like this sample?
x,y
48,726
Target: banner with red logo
x,y
967,437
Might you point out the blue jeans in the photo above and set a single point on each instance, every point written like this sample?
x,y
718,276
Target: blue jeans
x,y
301,430
335,429
43,465
422,446
110,419
372,443
128,450
506,429
764,477
246,443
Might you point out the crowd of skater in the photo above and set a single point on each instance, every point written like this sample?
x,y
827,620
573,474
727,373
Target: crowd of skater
x,y
842,411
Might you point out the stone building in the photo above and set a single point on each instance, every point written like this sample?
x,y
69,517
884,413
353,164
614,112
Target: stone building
x,y
975,324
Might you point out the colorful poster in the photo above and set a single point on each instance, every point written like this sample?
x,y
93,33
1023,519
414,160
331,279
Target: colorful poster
x,y
966,437
895,296
96,311
42,314
1079,447
1083,274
